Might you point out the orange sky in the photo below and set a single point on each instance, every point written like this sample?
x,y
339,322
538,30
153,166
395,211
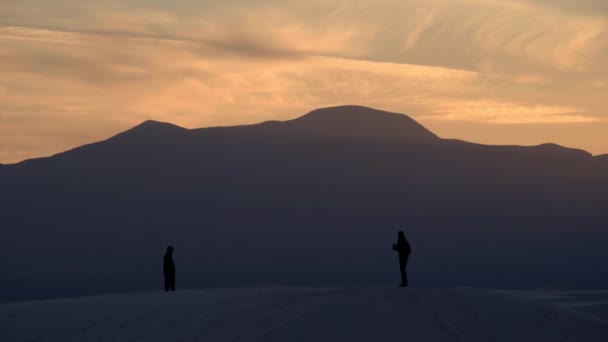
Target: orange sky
x,y
489,71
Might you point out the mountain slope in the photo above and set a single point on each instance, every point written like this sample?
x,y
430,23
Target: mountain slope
x,y
289,202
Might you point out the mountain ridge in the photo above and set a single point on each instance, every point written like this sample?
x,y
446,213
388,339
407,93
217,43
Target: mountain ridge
x,y
348,122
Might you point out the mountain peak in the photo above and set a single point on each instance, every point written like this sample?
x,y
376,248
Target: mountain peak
x,y
151,129
549,149
153,125
361,122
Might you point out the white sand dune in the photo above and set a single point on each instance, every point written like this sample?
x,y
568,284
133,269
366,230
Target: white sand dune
x,y
297,314
589,302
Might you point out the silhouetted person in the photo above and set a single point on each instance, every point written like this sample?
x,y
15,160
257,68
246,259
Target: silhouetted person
x,y
169,270
404,249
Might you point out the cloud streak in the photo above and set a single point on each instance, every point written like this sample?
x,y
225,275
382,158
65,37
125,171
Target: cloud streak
x,y
590,7
495,112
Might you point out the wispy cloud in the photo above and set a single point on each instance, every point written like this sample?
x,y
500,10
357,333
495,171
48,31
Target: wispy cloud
x,y
496,112
591,7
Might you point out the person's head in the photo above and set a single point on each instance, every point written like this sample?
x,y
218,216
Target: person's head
x,y
401,235
170,249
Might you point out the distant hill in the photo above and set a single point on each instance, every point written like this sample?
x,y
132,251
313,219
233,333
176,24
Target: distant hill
x,y
313,201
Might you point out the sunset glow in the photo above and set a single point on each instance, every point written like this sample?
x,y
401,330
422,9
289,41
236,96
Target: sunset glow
x,y
488,71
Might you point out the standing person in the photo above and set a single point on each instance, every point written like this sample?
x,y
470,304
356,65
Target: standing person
x,y
404,249
169,270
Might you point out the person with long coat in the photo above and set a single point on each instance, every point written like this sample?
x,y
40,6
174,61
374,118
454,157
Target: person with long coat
x,y
169,269
404,249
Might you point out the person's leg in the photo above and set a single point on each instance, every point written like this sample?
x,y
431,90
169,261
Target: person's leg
x,y
404,274
167,283
173,283
402,271
402,268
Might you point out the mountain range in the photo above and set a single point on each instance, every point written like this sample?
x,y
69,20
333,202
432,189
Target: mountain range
x,y
314,201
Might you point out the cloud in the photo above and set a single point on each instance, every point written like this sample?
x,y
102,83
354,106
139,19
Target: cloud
x,y
496,112
510,34
592,7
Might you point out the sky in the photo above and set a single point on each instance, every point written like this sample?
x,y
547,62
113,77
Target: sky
x,y
489,71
